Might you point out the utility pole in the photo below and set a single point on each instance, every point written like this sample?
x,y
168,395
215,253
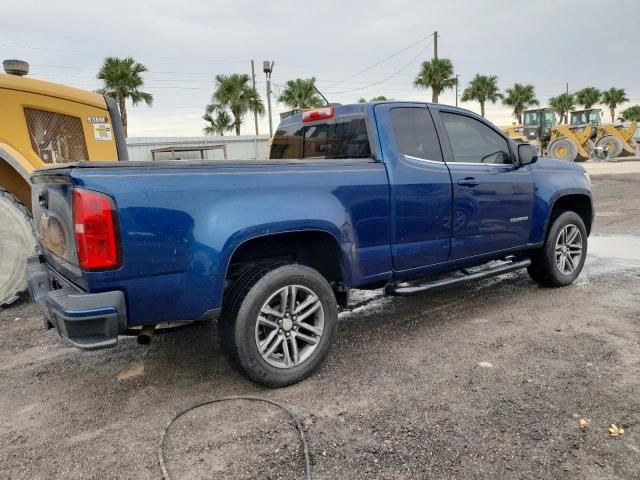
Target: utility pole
x,y
567,88
435,44
457,81
253,78
267,68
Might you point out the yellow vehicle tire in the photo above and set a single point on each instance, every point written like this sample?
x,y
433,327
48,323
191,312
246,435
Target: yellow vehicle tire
x,y
563,149
612,145
17,243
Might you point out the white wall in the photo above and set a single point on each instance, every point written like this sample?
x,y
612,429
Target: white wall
x,y
242,147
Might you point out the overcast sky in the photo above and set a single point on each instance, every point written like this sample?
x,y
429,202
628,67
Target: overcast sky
x,y
184,44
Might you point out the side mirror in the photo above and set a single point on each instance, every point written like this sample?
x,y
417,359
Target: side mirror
x,y
527,154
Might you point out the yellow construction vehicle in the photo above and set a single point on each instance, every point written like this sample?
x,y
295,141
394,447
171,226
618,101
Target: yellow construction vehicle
x,y
536,128
43,123
574,142
616,140
571,143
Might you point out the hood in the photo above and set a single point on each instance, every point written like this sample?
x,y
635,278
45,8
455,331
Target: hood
x,y
555,164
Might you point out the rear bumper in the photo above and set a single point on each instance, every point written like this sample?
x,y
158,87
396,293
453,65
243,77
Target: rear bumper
x,y
89,321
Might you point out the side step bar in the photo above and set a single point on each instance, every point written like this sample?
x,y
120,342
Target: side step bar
x,y
444,283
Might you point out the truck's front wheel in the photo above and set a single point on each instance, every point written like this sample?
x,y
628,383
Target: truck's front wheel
x,y
561,259
278,325
16,244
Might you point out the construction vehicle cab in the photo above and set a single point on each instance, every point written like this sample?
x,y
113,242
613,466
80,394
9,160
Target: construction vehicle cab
x,y
538,123
42,124
579,118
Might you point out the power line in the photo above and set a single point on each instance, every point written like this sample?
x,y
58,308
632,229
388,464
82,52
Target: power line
x,y
195,59
381,61
384,79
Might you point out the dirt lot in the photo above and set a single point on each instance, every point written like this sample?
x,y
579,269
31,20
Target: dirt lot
x,y
487,381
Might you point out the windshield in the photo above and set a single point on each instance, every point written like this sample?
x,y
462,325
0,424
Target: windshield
x,y
549,119
584,117
579,118
531,118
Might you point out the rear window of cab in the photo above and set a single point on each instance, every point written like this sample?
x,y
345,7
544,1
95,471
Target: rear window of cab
x,y
333,139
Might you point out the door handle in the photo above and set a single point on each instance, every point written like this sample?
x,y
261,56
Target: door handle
x,y
468,182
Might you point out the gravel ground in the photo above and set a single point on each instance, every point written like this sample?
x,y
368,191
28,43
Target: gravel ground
x,y
486,381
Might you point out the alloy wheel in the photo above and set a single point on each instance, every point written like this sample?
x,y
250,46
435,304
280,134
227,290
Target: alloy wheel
x,y
289,326
568,249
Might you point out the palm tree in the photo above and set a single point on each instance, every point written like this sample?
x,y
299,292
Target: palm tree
x,y
379,98
588,96
436,74
482,88
301,93
612,98
520,97
562,105
631,114
234,92
122,80
219,124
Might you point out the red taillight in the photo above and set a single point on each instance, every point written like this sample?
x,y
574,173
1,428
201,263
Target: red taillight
x,y
96,230
318,114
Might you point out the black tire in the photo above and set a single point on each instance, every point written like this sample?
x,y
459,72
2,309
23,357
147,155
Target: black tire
x,y
612,144
237,326
17,243
544,268
563,149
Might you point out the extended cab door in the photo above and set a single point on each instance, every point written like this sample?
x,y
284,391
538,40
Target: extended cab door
x,y
492,197
420,185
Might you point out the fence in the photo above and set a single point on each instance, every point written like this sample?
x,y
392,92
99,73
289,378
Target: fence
x,y
247,147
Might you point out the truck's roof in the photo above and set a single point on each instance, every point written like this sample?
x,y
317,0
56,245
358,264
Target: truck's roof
x,y
40,87
355,108
338,111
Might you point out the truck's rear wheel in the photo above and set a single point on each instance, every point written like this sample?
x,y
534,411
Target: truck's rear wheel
x,y
561,259
277,327
16,244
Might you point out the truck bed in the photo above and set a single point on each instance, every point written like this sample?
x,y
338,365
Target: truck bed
x,y
179,235
171,164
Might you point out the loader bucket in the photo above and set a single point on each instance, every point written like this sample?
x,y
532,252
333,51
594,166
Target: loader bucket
x,y
569,143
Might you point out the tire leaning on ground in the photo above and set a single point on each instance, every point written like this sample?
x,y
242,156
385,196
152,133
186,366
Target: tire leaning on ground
x,y
559,262
278,323
17,242
563,149
612,144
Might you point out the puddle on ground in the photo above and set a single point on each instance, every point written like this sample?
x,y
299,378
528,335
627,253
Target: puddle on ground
x,y
606,254
625,247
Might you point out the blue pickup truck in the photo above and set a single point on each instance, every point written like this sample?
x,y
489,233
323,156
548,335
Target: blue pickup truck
x,y
412,197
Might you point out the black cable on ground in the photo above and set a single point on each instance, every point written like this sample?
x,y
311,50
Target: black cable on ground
x,y
305,448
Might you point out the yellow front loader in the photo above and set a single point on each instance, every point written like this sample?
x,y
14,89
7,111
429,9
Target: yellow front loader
x,y
571,143
617,140
41,124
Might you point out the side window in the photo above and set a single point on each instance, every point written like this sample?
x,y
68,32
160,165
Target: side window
x,y
340,139
415,133
55,137
474,142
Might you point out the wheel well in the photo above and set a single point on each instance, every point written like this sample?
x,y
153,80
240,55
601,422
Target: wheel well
x,y
315,249
581,204
12,182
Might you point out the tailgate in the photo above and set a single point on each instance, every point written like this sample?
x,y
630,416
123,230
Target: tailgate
x,y
52,197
